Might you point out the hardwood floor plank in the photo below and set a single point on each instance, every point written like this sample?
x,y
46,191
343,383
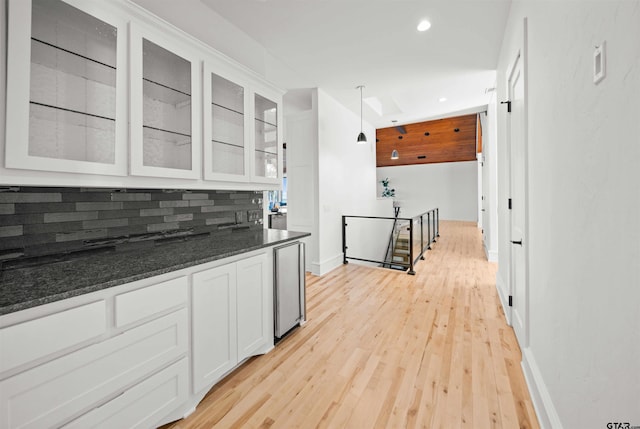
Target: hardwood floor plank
x,y
382,349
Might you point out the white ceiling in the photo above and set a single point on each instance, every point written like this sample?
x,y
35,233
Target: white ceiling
x,y
337,45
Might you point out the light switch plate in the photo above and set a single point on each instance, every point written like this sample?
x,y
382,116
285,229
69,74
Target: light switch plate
x,y
599,62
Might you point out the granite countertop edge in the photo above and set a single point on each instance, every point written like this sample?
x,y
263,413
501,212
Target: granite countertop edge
x,y
29,302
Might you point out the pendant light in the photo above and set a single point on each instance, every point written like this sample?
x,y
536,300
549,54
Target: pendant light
x,y
394,152
362,139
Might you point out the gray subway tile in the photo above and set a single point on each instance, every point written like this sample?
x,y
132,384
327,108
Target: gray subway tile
x,y
27,197
10,208
43,228
190,196
104,223
11,231
198,203
129,205
176,203
209,209
156,227
75,197
69,217
116,214
145,220
130,196
220,220
156,212
179,217
113,205
45,207
81,235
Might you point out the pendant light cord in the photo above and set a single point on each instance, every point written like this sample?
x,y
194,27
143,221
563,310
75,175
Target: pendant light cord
x,y
361,108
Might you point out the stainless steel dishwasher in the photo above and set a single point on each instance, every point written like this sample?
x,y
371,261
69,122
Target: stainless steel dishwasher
x,y
289,283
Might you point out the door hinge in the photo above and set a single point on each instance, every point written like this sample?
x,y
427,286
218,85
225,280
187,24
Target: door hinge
x,y
510,301
508,103
510,204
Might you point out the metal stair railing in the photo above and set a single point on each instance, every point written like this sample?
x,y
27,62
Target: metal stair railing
x,y
432,220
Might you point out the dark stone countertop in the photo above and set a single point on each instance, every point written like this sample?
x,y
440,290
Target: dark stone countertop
x,y
22,288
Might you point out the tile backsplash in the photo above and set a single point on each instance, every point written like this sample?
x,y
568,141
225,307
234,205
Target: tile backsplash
x,y
37,221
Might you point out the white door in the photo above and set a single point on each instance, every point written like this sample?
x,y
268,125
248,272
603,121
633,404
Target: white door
x,y
517,142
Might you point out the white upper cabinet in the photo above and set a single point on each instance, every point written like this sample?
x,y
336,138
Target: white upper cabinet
x,y
267,156
103,92
165,101
226,154
66,91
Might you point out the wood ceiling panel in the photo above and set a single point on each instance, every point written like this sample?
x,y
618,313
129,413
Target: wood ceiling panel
x,y
436,141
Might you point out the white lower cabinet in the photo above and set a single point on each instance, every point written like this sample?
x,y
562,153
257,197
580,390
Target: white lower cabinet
x,y
57,391
123,357
213,313
230,317
143,405
252,305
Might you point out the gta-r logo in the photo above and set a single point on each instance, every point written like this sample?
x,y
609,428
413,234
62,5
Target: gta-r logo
x,y
618,425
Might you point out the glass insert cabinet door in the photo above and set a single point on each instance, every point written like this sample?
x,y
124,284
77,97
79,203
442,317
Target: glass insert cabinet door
x,y
266,138
164,98
67,112
225,127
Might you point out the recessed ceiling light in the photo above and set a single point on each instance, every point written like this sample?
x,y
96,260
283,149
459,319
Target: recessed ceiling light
x,y
424,25
442,99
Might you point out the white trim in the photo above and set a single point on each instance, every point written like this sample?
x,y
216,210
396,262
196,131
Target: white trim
x,y
542,403
504,300
323,267
492,255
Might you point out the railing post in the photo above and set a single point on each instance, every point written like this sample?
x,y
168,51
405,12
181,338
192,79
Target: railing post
x,y
429,228
344,240
421,237
411,271
438,222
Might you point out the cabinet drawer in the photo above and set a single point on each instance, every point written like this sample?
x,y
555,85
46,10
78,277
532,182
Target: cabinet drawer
x,y
34,339
141,303
54,393
143,405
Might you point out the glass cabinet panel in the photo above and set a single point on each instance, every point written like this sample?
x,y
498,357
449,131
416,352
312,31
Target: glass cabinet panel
x,y
72,88
227,127
266,138
166,110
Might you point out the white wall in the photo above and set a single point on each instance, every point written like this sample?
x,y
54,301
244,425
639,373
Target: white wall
x,y
452,187
583,359
301,136
347,182
329,176
490,180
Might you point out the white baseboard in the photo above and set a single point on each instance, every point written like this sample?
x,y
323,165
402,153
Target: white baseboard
x,y
504,300
323,267
492,255
545,410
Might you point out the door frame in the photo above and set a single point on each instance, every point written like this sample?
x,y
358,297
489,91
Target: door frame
x,y
521,55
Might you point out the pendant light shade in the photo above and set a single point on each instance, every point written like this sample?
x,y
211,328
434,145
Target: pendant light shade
x,y
361,137
394,154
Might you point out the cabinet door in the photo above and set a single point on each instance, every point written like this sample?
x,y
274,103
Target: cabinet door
x,y
226,156
142,406
57,391
213,324
165,106
267,157
253,305
66,88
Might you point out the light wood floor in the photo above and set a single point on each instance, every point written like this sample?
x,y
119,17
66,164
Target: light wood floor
x,y
382,349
